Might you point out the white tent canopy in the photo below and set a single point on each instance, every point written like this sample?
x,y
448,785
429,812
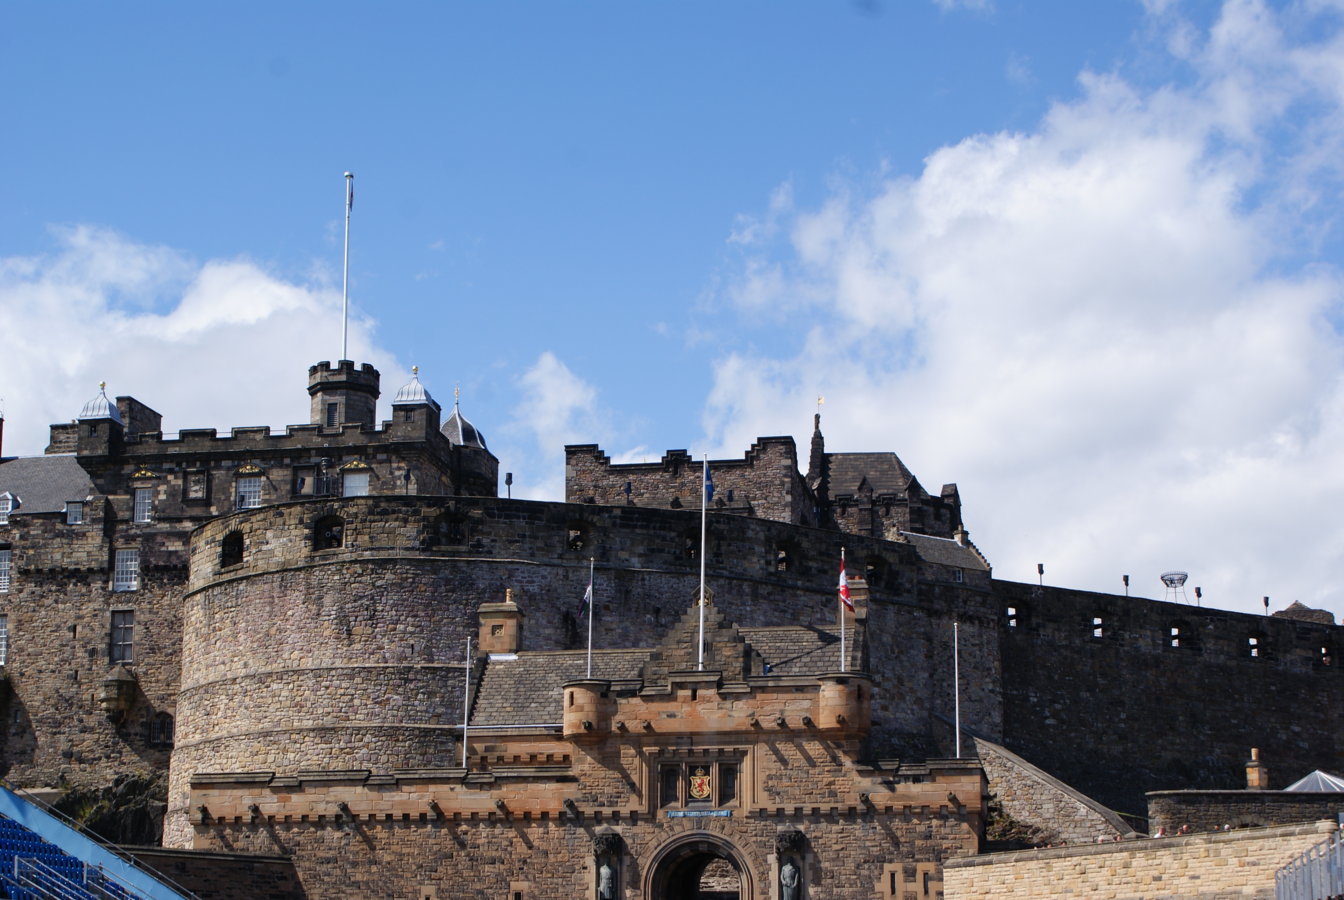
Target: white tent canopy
x,y
1318,781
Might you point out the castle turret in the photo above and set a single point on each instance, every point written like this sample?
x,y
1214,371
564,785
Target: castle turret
x,y
475,468
101,430
343,395
414,412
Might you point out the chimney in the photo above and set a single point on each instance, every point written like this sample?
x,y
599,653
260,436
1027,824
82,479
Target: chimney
x,y
961,536
501,626
1257,776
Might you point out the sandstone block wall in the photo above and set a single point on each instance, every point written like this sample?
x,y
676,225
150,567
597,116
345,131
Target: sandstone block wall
x,y
1194,867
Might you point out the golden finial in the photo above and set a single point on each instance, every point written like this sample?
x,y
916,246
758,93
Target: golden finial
x,y
102,385
415,370
457,392
820,400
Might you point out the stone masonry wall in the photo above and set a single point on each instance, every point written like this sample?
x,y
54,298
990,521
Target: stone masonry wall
x,y
1125,713
1193,867
1212,810
1033,797
764,483
58,612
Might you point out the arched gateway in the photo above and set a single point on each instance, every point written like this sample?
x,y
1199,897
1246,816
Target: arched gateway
x,y
692,867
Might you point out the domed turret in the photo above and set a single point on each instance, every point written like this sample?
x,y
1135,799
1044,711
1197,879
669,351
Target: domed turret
x,y
475,469
461,432
100,407
413,393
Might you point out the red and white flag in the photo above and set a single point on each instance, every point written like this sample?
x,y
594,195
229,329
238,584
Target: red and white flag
x,y
844,585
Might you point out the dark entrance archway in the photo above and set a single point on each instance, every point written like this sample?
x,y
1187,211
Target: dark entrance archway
x,y
699,867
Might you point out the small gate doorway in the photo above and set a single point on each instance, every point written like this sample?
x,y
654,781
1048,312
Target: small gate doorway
x,y
699,867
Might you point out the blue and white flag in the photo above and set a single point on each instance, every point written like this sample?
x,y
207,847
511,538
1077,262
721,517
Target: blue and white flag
x,y
709,484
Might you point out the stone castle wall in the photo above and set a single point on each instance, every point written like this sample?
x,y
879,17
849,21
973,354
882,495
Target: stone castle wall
x,y
1213,810
1126,712
1191,867
765,483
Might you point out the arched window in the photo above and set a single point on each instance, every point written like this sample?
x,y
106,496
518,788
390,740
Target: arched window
x,y
328,533
231,549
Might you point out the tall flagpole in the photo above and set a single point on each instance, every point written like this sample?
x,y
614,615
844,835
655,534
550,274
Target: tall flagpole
x,y
956,679
840,599
345,281
466,702
704,508
592,601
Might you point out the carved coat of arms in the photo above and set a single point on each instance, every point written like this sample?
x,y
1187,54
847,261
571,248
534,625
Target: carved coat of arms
x,y
700,784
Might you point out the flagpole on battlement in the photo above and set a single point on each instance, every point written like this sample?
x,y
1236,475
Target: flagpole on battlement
x,y
345,280
704,509
466,702
843,598
591,605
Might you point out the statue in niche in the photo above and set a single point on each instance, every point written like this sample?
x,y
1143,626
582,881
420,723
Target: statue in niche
x,y
606,882
789,878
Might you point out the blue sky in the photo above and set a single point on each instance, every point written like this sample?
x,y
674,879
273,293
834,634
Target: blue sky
x,y
1082,259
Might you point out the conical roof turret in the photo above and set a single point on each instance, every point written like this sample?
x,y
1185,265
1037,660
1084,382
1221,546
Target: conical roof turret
x,y
101,407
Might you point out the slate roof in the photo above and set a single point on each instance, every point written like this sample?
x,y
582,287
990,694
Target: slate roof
x,y
461,432
526,689
944,551
796,649
44,483
884,471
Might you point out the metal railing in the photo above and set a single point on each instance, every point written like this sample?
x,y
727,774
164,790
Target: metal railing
x,y
1317,874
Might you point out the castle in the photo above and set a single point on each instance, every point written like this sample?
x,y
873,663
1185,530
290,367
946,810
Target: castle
x,y
345,648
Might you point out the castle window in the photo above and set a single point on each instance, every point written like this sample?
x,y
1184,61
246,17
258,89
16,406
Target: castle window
x,y
355,484
1255,646
159,730
578,537
248,490
143,505
450,529
1098,627
408,414
231,549
784,560
1011,616
333,414
1180,636
328,533
958,575
727,784
6,567
74,512
1325,656
4,639
6,507
121,642
126,571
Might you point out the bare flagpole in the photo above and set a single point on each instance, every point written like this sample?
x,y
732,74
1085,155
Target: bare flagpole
x,y
345,281
704,508
592,602
466,702
956,681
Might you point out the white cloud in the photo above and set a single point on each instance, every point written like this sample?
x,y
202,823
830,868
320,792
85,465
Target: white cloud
x,y
213,344
557,408
1106,330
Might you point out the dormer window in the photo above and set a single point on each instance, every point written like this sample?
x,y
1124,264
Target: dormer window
x,y
8,503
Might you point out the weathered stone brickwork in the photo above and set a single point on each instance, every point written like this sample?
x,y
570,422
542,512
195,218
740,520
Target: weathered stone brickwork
x,y
1157,715
1194,867
1214,810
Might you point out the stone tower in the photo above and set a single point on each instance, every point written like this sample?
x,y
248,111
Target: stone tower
x,y
343,395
